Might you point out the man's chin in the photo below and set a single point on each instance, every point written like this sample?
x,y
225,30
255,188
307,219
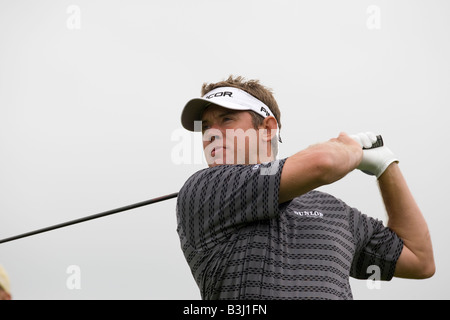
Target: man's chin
x,y
220,158
217,160
214,162
215,165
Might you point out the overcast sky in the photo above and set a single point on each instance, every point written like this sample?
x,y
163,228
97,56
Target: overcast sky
x,y
90,99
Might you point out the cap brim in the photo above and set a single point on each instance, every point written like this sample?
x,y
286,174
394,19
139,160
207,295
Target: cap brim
x,y
193,110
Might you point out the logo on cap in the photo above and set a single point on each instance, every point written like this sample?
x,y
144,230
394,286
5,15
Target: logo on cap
x,y
265,111
220,94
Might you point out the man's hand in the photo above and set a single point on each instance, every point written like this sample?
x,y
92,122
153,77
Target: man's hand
x,y
375,161
348,150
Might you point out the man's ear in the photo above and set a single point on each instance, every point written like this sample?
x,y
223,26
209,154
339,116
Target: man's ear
x,y
269,127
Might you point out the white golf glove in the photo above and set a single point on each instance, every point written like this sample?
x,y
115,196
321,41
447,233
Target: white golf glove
x,y
375,161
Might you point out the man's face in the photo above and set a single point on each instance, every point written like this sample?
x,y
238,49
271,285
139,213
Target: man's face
x,y
229,137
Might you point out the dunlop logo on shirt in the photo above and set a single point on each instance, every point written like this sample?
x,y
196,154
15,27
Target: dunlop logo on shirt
x,y
314,214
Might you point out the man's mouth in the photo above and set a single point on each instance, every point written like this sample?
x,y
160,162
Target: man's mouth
x,y
218,149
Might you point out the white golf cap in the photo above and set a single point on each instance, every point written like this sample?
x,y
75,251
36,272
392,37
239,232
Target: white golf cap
x,y
4,280
227,97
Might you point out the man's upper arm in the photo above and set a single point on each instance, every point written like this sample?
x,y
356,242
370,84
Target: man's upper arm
x,y
302,173
318,165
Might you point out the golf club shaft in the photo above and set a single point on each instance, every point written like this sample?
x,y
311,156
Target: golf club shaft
x,y
378,143
91,217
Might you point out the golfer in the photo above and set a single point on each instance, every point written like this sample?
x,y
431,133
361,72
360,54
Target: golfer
x,y
252,226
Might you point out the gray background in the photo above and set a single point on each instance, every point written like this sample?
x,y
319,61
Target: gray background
x,y
90,120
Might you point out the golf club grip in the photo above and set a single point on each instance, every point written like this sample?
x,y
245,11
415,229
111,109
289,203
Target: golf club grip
x,y
378,143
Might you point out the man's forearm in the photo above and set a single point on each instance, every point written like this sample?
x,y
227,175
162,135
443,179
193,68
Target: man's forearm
x,y
407,221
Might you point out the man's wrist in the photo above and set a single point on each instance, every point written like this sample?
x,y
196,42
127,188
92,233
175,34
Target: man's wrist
x,y
390,171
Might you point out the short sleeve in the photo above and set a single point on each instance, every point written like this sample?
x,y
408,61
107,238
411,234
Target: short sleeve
x,y
214,202
377,248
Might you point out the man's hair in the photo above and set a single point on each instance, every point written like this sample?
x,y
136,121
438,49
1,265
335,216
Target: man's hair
x,y
257,90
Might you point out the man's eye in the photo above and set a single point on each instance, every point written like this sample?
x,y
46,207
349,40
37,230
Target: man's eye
x,y
226,119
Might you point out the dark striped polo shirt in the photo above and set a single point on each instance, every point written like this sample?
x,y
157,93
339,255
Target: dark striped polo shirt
x,y
240,243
